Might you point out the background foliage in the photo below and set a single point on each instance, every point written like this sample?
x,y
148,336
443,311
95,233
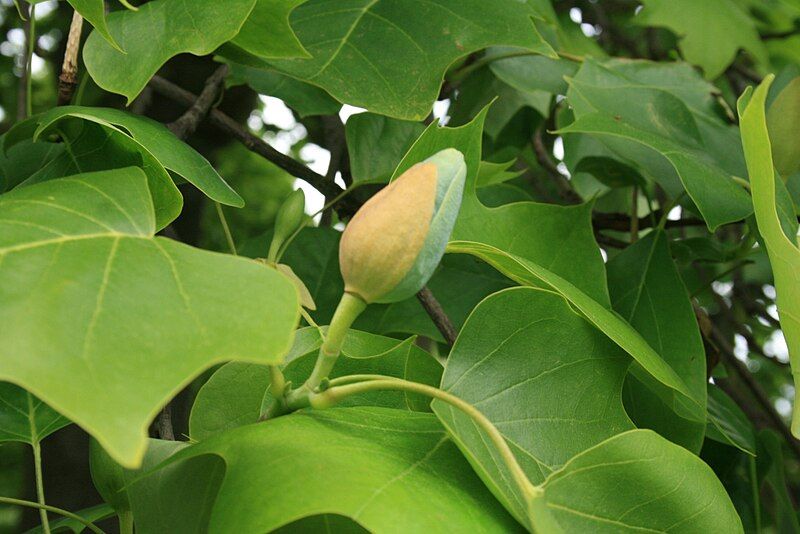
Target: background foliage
x,y
609,301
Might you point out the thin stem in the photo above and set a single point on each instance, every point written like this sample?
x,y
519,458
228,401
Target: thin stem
x,y
335,394
125,522
756,493
225,228
29,61
37,468
60,511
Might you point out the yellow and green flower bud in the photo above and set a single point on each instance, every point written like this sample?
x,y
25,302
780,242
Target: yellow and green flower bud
x,y
291,216
393,243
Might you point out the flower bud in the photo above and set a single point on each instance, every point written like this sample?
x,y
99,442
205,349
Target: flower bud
x,y
393,243
288,220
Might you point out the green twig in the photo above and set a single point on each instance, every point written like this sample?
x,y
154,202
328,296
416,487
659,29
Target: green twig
x,y
337,393
225,228
30,504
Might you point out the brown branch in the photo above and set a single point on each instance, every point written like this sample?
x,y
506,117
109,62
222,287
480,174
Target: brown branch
x,y
249,140
164,423
437,315
564,188
186,124
68,79
755,388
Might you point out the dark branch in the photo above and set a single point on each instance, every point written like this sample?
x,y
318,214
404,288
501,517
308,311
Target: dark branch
x,y
249,140
186,124
438,315
755,388
22,87
564,188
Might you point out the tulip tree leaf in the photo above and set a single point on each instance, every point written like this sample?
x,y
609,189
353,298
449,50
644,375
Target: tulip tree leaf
x,y
547,379
636,481
235,394
387,470
390,58
711,32
92,147
25,418
727,423
81,271
376,143
305,99
783,118
154,33
784,255
95,12
155,139
577,259
647,291
642,122
266,32
525,272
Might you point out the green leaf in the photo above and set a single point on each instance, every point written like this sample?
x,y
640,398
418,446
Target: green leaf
x,y
783,118
531,73
610,172
727,423
95,12
570,226
771,447
236,394
82,272
634,120
154,33
388,470
391,58
25,418
266,33
784,256
634,482
711,32
547,379
376,145
647,291
529,273
156,140
305,99
89,147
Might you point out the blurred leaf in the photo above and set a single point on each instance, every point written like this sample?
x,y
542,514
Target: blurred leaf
x,y
711,32
783,123
66,524
784,515
727,423
82,272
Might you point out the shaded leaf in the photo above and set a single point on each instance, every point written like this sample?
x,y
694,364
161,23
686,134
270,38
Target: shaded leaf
x,y
727,423
376,145
25,418
82,272
388,470
711,32
783,118
647,291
